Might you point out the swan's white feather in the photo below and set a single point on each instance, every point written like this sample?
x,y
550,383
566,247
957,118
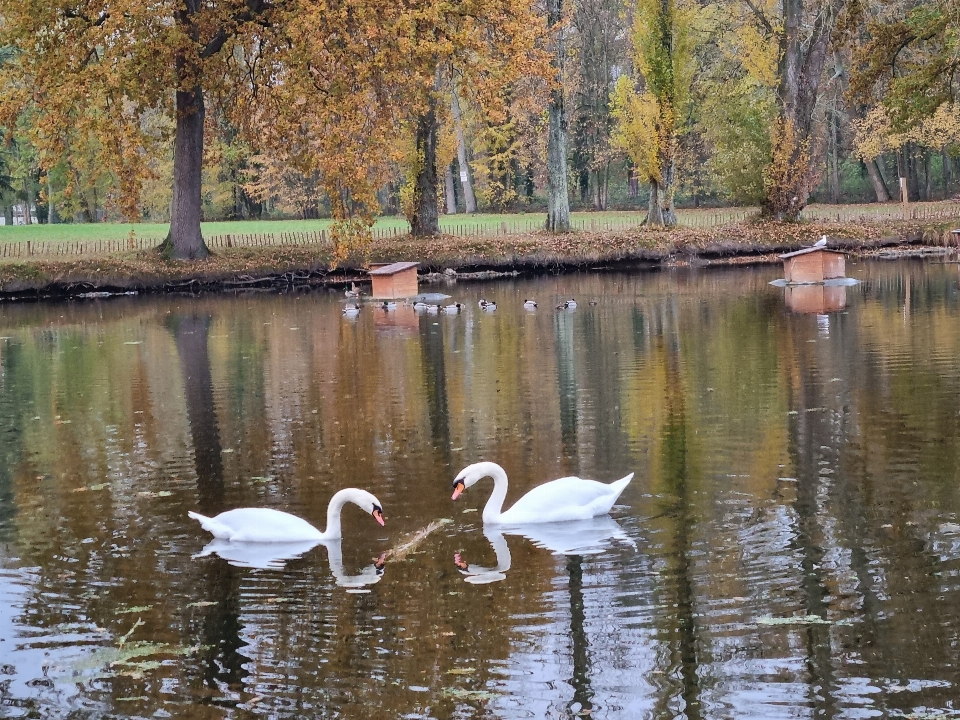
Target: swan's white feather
x,y
569,498
258,525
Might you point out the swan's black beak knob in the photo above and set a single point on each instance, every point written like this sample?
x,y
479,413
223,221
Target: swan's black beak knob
x,y
458,488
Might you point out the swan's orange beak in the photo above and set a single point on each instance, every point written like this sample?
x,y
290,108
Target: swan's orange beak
x,y
458,488
378,515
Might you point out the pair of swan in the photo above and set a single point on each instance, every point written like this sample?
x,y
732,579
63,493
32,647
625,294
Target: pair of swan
x,y
569,498
566,499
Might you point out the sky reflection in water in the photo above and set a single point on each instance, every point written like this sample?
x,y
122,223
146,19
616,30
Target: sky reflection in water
x,y
788,548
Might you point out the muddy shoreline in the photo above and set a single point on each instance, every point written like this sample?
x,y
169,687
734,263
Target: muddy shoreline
x,y
446,258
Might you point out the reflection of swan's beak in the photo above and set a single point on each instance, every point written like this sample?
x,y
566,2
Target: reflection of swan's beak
x,y
458,488
380,561
378,515
460,562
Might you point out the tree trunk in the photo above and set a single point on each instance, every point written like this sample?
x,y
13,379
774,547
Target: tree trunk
x,y
28,204
185,241
558,200
469,199
834,160
51,210
947,170
876,178
654,212
449,190
803,51
8,215
426,220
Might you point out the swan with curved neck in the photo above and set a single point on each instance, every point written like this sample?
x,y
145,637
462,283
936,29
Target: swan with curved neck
x,y
569,498
266,525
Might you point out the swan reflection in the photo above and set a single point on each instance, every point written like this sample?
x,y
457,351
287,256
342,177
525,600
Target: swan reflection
x,y
272,556
578,537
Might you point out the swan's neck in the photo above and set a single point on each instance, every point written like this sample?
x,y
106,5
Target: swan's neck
x,y
494,506
341,498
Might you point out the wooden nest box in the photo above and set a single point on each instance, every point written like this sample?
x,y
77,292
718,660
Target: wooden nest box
x,y
813,265
397,280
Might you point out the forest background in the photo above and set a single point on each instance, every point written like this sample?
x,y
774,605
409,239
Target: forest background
x,y
181,111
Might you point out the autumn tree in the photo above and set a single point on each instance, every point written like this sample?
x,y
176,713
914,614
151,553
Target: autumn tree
x,y
801,31
905,71
482,47
650,120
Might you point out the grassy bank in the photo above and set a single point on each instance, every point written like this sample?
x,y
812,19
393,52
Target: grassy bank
x,y
464,225
747,241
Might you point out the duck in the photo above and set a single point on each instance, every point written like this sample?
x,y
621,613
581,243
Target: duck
x,y
569,498
388,305
433,309
352,291
567,305
352,310
259,525
530,304
420,306
489,306
452,309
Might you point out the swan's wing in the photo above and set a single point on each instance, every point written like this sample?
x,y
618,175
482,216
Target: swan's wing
x,y
569,498
266,525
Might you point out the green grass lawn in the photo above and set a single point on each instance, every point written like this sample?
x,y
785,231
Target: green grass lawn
x,y
481,224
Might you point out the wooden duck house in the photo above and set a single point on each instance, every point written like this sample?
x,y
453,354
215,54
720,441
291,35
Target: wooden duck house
x,y
397,280
813,265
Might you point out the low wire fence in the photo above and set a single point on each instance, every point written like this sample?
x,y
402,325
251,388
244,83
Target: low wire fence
x,y
517,225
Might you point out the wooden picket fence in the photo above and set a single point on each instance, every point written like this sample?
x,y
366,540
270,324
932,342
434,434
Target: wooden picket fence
x,y
515,226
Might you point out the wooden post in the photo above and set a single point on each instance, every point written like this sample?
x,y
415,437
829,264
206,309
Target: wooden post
x,y
904,198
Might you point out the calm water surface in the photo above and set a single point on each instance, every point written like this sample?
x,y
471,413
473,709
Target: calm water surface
x,y
789,547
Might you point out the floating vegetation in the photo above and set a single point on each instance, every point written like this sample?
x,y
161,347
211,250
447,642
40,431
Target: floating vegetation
x,y
152,494
98,486
461,671
135,609
202,603
800,620
461,694
409,544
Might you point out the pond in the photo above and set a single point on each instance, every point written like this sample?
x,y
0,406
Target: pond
x,y
788,547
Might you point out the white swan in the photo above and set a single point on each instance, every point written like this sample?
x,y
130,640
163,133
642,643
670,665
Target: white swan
x,y
569,498
266,525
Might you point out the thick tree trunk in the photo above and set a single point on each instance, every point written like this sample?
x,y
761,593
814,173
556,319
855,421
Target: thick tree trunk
x,y
803,54
425,220
558,200
8,215
185,241
469,199
449,190
654,213
876,178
